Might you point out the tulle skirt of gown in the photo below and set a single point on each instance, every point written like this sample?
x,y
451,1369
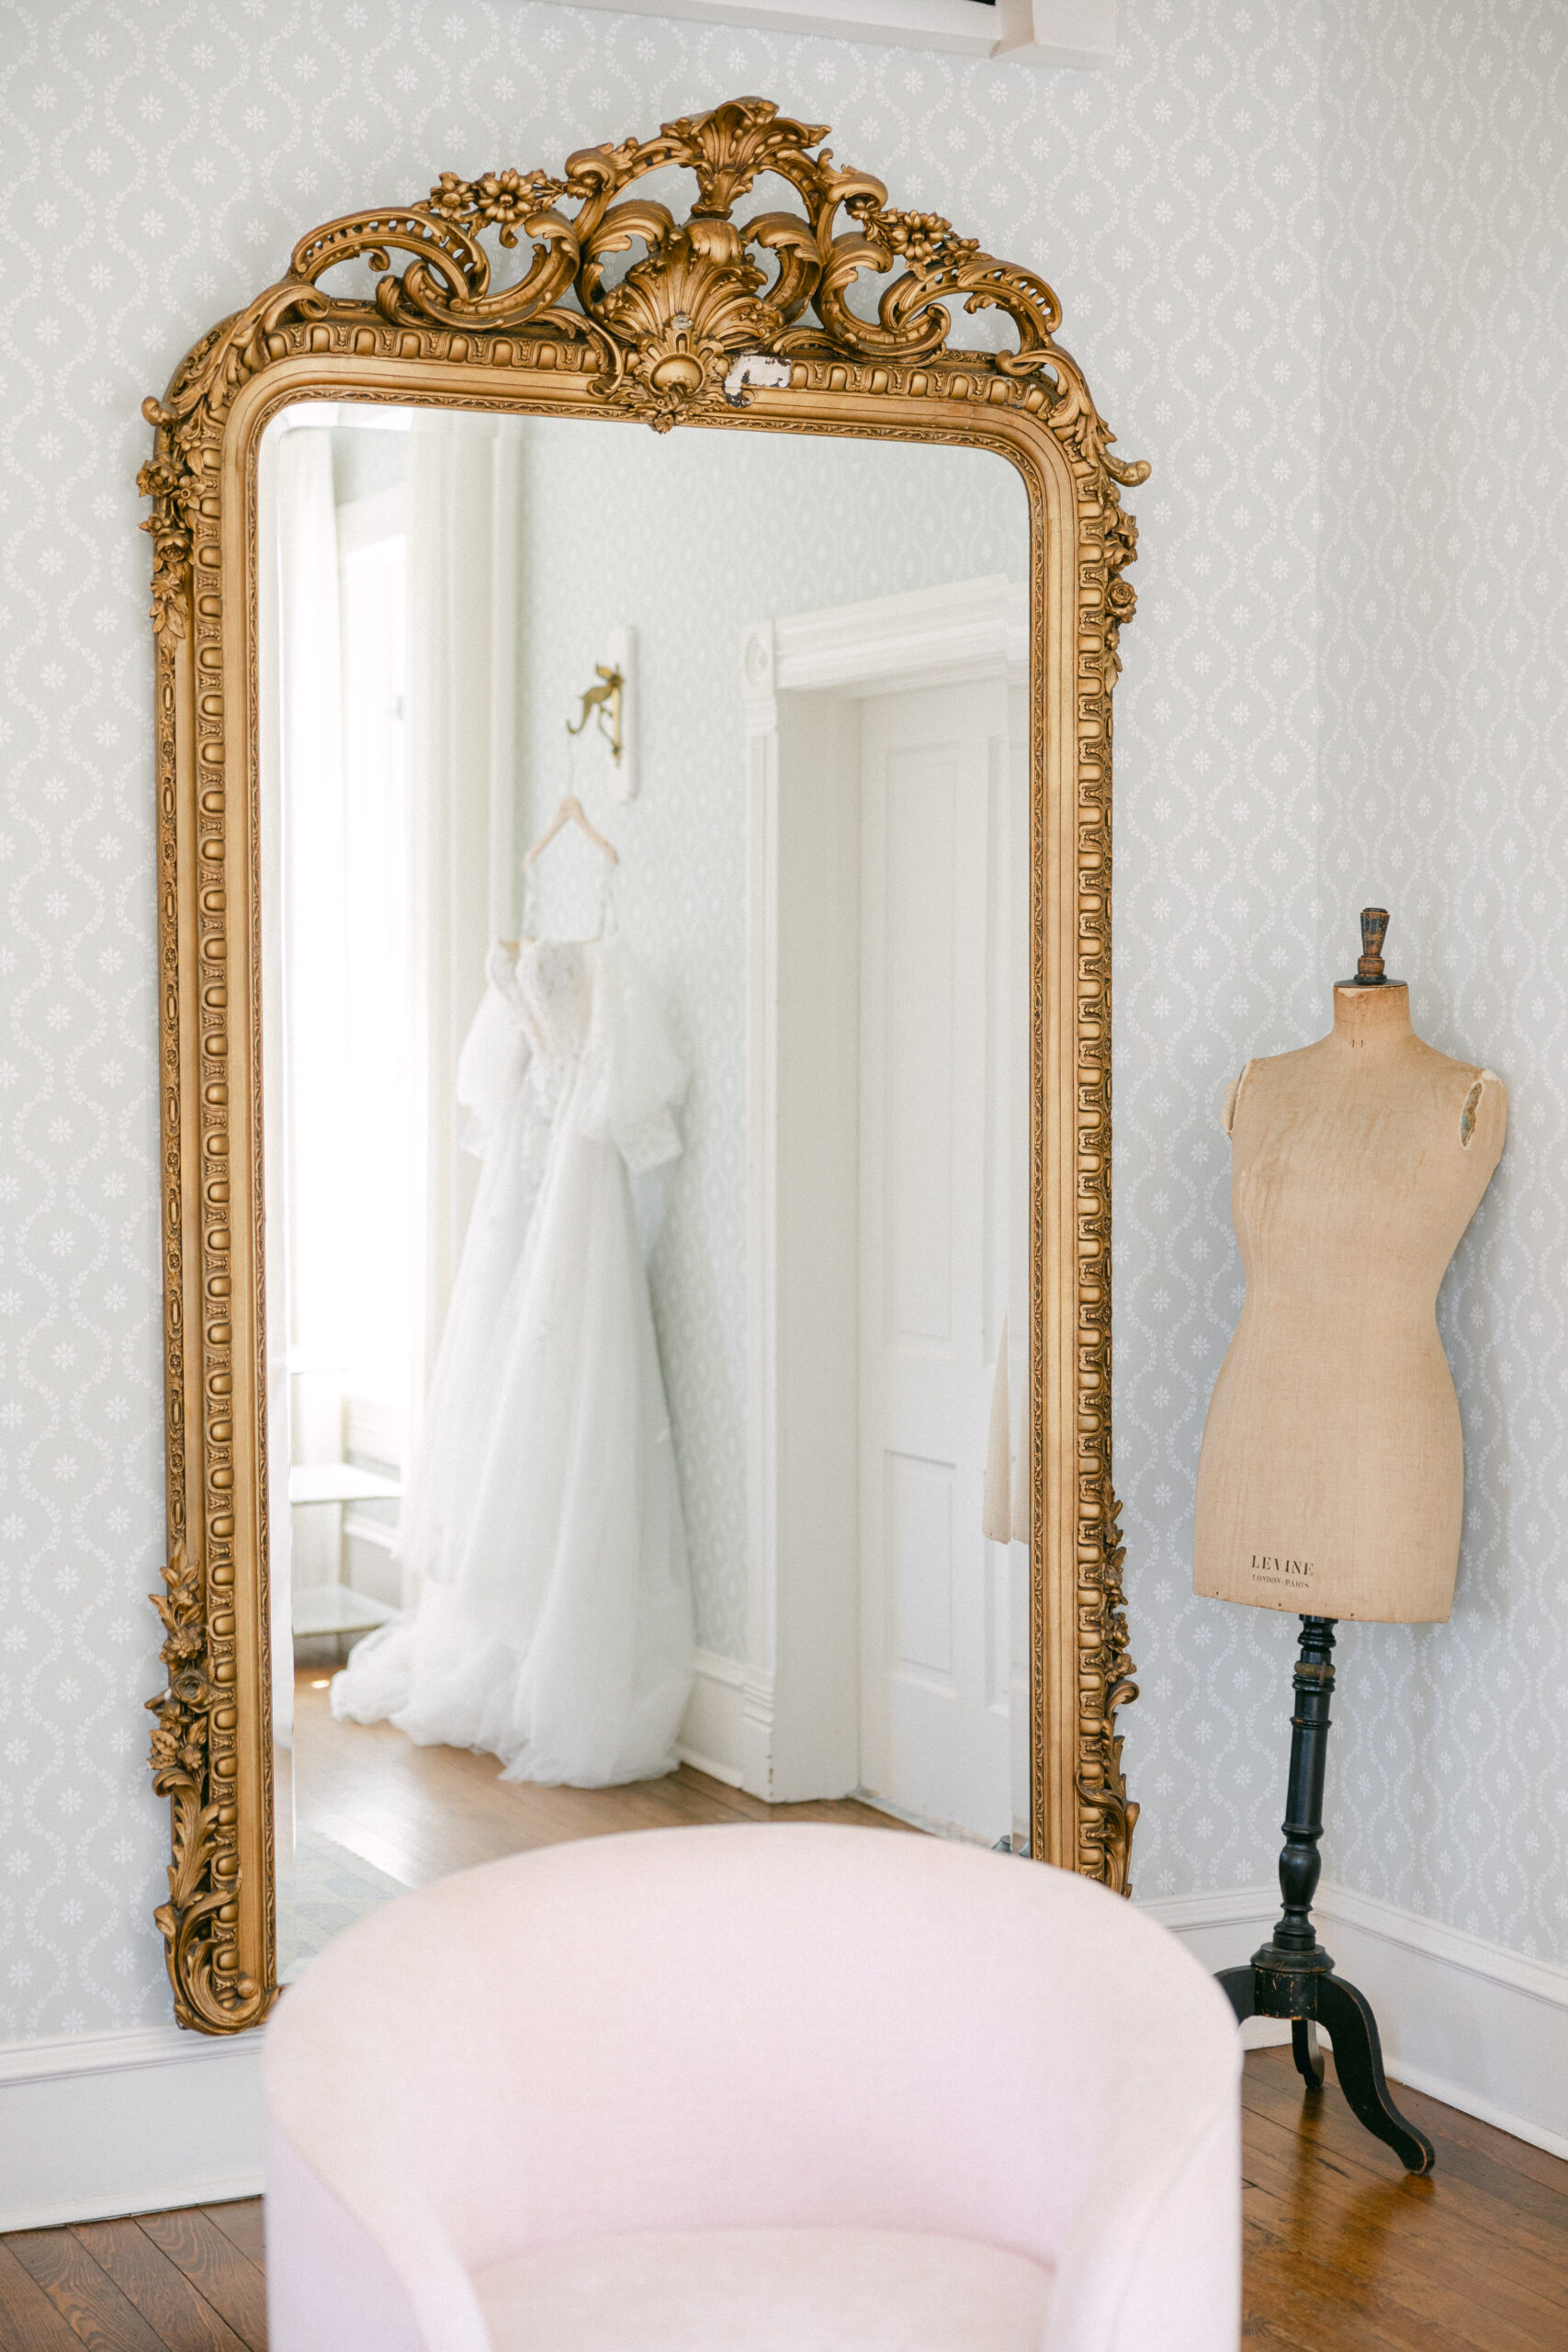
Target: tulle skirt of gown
x,y
554,1625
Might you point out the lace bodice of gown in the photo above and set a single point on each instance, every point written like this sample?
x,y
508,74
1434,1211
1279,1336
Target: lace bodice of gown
x,y
550,989
569,1029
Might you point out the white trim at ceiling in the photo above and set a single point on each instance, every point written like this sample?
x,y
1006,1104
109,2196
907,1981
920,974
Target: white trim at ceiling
x,y
1080,33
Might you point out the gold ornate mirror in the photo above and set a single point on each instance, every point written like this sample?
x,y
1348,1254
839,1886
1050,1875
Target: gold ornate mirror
x,y
831,696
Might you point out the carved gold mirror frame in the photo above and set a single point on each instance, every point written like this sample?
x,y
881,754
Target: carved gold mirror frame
x,y
693,335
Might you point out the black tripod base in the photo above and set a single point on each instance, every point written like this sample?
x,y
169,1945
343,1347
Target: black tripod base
x,y
1311,1997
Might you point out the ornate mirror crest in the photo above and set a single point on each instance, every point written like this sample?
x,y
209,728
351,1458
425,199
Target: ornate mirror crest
x,y
695,332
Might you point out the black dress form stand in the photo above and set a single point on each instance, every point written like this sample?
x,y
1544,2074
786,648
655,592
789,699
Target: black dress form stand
x,y
1291,1975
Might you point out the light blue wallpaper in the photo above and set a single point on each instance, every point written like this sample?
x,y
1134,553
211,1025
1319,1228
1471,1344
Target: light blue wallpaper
x,y
1340,463
1445,767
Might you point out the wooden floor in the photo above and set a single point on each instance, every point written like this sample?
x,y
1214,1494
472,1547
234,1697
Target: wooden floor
x,y
1343,2253
417,1813
1346,2252
170,2282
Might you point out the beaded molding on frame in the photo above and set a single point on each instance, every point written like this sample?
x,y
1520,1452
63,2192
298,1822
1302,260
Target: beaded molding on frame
x,y
692,333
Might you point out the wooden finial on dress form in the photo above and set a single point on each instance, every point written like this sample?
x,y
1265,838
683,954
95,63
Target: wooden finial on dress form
x,y
1370,973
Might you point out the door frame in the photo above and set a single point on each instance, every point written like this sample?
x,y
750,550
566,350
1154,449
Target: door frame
x,y
791,1711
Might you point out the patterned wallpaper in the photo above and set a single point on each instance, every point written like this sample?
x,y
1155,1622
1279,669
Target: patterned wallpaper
x,y
1445,766
162,163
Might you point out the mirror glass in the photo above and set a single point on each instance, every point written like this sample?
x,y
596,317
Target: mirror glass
x,y
645,907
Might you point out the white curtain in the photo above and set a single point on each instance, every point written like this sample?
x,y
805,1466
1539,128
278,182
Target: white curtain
x,y
301,851
463,597
462,571
318,1192
316,986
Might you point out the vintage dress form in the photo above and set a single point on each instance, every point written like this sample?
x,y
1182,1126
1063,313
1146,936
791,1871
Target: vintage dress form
x,y
554,1622
1332,1475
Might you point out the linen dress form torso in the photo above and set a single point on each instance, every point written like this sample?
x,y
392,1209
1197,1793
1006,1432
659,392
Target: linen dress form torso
x,y
553,1621
1331,1480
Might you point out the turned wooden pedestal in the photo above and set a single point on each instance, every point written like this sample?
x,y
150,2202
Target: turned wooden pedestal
x,y
1291,1975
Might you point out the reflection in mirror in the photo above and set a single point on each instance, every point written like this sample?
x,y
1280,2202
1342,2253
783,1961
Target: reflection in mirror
x,y
646,1192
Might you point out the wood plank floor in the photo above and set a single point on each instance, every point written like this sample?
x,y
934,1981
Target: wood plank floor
x,y
1343,2250
190,2281
417,1813
1343,2253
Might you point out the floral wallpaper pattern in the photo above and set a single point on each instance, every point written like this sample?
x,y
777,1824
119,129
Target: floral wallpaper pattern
x,y
1305,252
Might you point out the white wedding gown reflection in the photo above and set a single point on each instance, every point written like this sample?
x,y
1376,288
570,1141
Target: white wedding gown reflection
x,y
554,1623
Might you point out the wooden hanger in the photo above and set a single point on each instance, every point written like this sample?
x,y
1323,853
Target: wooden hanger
x,y
571,812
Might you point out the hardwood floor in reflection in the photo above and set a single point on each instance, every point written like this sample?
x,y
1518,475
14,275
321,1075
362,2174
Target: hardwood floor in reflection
x,y
417,1813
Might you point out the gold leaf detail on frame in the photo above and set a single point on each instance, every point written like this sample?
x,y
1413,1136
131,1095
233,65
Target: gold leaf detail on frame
x,y
210,1992
1102,1785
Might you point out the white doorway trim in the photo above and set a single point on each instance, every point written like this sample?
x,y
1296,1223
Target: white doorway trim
x,y
791,1717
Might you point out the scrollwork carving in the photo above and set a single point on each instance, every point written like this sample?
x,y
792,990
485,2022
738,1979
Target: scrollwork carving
x,y
665,334
1120,549
193,1735
1106,1666
164,480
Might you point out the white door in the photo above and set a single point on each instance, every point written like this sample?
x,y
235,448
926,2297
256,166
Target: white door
x,y
937,788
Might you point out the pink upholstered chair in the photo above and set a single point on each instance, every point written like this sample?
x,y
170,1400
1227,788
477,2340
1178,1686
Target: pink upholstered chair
x,y
791,2089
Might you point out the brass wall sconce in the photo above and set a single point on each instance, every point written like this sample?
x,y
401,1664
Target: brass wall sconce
x,y
609,702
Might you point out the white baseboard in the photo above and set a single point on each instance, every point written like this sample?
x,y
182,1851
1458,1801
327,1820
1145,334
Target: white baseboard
x,y
711,1736
1468,2022
105,2124
132,2122
727,1729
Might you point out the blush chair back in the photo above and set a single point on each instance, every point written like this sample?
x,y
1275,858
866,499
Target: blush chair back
x,y
768,2027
